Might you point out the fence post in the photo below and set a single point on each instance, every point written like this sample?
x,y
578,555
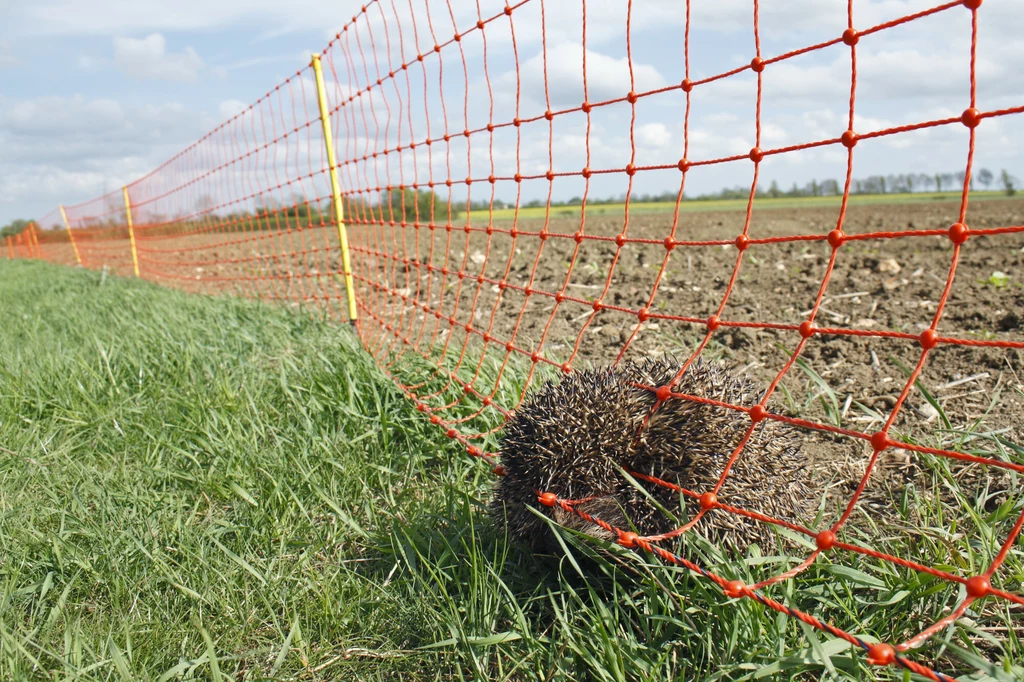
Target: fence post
x,y
339,210
10,248
34,240
71,237
131,230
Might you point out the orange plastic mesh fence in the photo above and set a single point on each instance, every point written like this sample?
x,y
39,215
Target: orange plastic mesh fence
x,y
100,233
422,127
55,244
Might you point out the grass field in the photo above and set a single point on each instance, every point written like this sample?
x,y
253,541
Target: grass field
x,y
207,488
690,205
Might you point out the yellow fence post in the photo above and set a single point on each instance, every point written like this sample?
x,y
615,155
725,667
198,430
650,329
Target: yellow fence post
x,y
339,210
10,248
131,230
71,237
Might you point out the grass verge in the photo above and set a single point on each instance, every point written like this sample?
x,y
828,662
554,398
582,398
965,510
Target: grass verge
x,y
208,488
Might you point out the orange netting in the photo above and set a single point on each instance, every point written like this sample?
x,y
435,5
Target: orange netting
x,y
423,133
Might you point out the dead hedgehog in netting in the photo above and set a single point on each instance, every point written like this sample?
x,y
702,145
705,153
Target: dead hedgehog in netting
x,y
569,437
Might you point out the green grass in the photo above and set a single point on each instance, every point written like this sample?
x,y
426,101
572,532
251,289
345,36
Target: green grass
x,y
208,488
690,205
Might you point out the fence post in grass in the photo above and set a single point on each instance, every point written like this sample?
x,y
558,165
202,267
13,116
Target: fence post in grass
x,y
34,241
131,230
71,237
10,248
339,210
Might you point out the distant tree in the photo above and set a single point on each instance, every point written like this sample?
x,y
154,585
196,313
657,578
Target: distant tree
x,y
265,208
925,180
773,190
938,182
947,179
898,183
14,228
958,179
830,187
873,184
416,205
985,177
1009,183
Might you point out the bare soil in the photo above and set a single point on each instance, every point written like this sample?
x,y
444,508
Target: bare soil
x,y
853,382
891,283
881,284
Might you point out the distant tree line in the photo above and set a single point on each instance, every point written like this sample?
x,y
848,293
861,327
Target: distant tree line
x,y
902,183
425,206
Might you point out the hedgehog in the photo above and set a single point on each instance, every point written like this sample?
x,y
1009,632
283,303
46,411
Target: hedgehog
x,y
571,437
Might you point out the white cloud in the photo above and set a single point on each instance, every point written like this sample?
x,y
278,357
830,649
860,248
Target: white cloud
x,y
653,135
148,58
99,17
263,60
780,21
607,77
606,18
231,107
911,73
68,149
738,15
45,116
773,134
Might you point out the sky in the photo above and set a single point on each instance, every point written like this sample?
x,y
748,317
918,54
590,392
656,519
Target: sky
x,y
94,95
